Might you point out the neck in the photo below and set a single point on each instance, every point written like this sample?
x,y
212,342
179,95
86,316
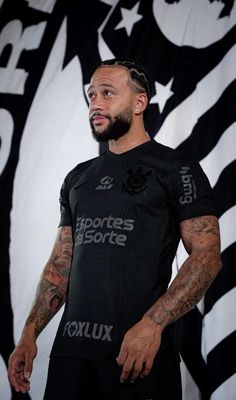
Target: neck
x,y
128,141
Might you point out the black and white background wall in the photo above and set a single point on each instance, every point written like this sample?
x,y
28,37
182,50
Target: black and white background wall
x,y
48,50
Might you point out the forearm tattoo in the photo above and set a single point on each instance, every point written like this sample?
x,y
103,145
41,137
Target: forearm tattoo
x,y
201,238
52,288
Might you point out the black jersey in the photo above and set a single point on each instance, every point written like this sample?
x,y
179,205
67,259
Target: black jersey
x,y
125,212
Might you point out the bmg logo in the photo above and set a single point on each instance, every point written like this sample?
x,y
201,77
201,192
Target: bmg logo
x,y
189,187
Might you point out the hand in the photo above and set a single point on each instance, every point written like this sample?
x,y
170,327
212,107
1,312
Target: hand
x,y
21,364
138,350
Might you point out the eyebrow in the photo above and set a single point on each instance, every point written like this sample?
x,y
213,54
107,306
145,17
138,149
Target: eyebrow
x,y
103,85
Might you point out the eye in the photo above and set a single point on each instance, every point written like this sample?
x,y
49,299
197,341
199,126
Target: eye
x,y
91,95
107,93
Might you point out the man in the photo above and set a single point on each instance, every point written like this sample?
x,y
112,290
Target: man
x,y
122,216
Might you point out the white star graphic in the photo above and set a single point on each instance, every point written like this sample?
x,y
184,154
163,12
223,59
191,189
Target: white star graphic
x,y
129,18
162,94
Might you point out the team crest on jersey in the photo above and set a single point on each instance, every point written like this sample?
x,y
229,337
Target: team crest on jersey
x,y
105,183
137,180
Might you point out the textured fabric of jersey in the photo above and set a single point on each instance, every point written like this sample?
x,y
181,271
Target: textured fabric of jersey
x,y
125,212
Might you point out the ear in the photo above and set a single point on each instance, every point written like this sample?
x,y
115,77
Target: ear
x,y
140,104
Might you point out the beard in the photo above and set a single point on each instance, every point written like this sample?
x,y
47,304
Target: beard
x,y
117,127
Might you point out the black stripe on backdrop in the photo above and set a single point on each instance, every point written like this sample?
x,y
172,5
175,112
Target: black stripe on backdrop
x,y
212,124
221,362
225,187
82,32
189,338
225,281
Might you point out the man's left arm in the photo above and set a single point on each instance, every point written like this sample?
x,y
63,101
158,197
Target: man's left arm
x,y
141,343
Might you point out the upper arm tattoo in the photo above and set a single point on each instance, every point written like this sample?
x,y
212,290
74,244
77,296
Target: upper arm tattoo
x,y
200,232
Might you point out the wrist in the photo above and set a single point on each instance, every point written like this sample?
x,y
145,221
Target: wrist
x,y
29,333
151,320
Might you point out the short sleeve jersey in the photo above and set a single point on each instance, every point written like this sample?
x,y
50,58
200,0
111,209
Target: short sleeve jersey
x,y
125,212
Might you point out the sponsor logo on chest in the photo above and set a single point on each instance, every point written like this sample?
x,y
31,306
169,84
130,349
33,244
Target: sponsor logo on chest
x,y
106,230
88,330
105,183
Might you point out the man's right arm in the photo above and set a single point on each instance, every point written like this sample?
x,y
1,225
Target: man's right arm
x,y
50,296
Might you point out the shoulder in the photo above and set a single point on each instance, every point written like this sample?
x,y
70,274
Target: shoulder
x,y
168,161
176,162
161,149
173,155
165,155
75,173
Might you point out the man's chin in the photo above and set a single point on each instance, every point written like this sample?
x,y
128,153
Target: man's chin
x,y
100,137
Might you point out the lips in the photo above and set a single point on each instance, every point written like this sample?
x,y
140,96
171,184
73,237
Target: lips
x,y
97,118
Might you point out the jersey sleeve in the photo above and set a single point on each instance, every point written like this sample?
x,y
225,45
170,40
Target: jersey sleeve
x,y
190,190
65,212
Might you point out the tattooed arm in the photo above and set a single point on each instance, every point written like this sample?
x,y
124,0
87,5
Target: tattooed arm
x,y
201,239
50,297
52,287
141,343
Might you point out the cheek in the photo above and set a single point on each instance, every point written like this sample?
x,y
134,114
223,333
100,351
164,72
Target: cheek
x,y
122,107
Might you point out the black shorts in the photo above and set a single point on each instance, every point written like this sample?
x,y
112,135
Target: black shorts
x,y
78,379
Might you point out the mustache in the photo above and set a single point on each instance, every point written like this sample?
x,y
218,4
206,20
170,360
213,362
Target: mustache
x,y
98,114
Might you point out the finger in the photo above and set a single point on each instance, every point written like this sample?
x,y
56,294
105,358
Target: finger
x,y
28,367
14,372
19,383
14,382
137,368
122,357
23,387
147,368
23,383
127,368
